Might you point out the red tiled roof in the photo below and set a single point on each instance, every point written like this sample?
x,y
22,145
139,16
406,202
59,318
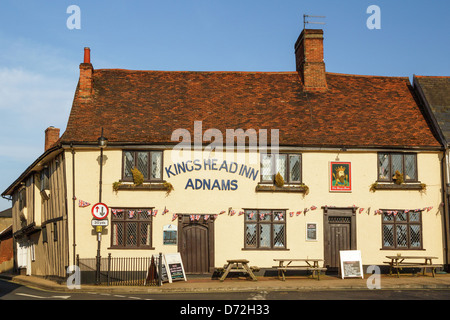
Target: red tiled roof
x,y
147,106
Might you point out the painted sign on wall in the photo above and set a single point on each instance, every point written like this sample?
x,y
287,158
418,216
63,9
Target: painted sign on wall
x,y
211,165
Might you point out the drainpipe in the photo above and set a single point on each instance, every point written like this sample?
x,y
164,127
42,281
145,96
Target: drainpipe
x,y
73,201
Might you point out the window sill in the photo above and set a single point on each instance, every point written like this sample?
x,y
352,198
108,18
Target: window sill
x,y
301,188
265,249
393,186
402,249
152,186
131,248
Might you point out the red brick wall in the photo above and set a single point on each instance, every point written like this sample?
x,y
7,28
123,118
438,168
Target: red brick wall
x,y
85,89
6,250
51,136
309,60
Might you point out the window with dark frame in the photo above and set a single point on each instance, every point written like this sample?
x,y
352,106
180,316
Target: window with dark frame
x,y
131,228
389,163
22,198
288,165
45,179
149,163
402,229
55,231
44,234
265,229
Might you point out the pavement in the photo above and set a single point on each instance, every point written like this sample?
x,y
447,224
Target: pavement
x,y
292,283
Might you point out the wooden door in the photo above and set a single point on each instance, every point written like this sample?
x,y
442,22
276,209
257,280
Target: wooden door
x,y
339,234
195,253
339,240
196,245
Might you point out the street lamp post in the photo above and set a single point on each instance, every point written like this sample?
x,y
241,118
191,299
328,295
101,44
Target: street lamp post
x,y
102,142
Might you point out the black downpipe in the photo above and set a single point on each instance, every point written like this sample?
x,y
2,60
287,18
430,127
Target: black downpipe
x,y
73,201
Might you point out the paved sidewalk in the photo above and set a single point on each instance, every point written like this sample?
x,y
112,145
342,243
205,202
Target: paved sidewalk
x,y
406,281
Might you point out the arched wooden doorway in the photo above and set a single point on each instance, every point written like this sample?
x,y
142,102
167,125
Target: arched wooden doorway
x,y
196,243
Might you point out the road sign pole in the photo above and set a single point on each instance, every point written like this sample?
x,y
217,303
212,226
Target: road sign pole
x,y
100,212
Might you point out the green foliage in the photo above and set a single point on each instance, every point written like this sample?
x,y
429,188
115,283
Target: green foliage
x,y
138,177
116,185
279,181
398,177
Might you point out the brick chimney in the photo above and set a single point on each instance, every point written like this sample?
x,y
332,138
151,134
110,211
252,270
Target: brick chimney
x,y
309,60
86,71
51,137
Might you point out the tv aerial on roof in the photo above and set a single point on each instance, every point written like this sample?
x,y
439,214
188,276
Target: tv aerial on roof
x,y
305,21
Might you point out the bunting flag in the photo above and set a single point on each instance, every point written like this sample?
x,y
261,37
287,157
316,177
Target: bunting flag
x,y
116,211
251,215
83,204
131,214
406,211
305,210
206,217
241,213
299,213
313,208
165,211
232,212
174,216
291,214
197,217
222,212
215,216
154,213
361,210
261,216
191,217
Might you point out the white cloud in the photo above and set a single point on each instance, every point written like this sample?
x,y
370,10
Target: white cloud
x,y
37,85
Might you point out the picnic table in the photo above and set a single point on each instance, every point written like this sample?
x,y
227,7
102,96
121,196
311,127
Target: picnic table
x,y
399,262
291,264
238,265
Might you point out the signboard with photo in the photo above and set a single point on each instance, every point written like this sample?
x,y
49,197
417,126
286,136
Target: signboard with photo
x,y
311,231
340,175
351,264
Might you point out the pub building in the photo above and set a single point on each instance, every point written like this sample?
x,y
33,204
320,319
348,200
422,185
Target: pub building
x,y
342,162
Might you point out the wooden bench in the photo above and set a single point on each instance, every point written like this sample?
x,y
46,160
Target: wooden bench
x,y
397,263
311,265
238,265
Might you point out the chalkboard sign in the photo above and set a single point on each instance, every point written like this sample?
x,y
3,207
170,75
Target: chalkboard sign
x,y
174,266
164,276
351,265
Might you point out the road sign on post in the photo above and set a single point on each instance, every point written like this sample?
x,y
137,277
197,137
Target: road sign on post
x,y
100,211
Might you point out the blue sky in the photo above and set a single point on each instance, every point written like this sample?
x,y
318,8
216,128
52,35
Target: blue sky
x,y
40,56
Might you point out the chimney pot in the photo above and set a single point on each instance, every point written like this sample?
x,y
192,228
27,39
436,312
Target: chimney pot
x,y
87,55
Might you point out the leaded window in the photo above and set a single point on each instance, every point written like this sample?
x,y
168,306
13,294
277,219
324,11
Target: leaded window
x,y
287,165
265,229
402,229
390,163
131,228
149,163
